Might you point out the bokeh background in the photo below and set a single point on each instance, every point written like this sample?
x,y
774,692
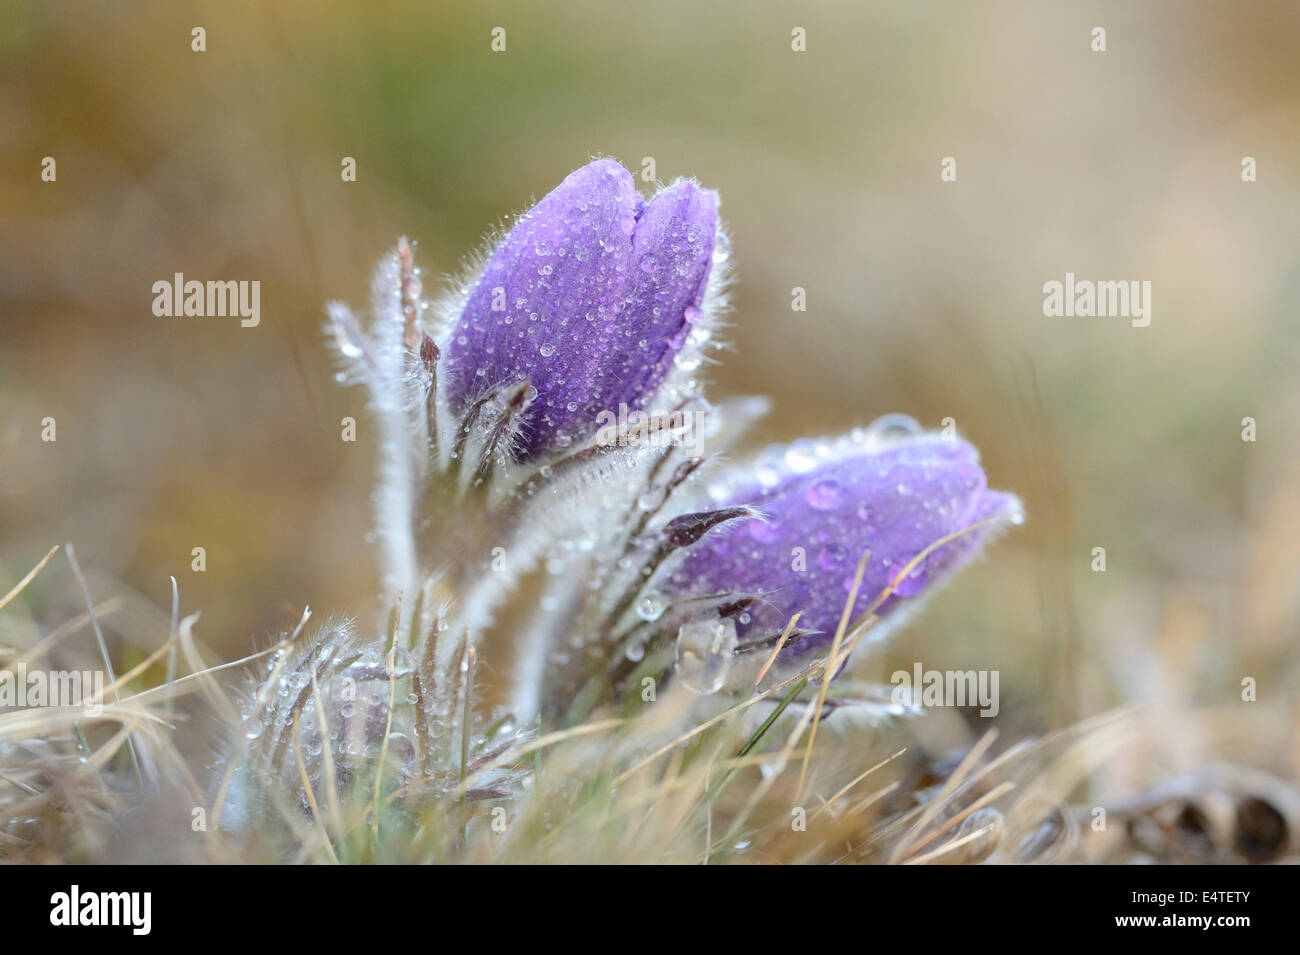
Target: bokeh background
x,y
923,297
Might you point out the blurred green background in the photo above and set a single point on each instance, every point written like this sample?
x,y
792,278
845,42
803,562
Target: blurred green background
x,y
923,297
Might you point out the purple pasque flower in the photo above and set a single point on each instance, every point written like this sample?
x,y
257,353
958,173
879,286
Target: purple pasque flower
x,y
589,297
893,499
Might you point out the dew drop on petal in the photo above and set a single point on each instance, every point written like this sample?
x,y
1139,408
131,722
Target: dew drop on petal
x,y
915,580
832,557
889,428
801,456
824,495
769,475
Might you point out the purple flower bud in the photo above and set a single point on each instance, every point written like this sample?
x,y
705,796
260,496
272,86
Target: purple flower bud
x,y
589,297
894,501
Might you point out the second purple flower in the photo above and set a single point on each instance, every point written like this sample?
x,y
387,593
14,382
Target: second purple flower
x,y
894,501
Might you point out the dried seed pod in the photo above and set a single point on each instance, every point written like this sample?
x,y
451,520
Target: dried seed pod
x,y
1262,833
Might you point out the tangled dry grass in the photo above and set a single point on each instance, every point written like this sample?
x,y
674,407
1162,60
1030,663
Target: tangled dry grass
x,y
783,775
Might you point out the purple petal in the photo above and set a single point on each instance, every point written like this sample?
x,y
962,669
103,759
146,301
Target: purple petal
x,y
587,297
673,253
544,306
895,503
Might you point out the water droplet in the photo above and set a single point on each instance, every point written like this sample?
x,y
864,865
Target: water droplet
x,y
704,652
832,557
651,606
824,495
699,336
980,847
649,262
635,652
546,350
916,578
347,347
768,474
801,456
252,728
691,315
721,248
890,428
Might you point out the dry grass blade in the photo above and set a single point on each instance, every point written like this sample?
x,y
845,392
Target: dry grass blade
x,y
63,631
328,773
993,795
830,671
31,575
949,847
857,779
559,736
710,723
310,794
776,650
969,761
